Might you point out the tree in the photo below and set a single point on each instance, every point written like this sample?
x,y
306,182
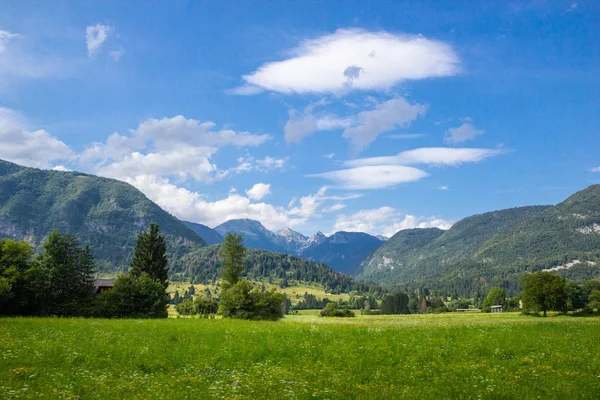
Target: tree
x,y
396,303
543,291
233,255
245,301
495,297
422,307
133,296
594,300
18,276
67,276
150,256
332,310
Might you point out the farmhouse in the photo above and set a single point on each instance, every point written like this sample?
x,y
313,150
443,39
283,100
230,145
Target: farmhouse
x,y
102,285
496,309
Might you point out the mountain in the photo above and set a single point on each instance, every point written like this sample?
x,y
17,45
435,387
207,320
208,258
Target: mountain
x,y
204,265
342,251
290,240
495,248
105,213
423,255
254,233
210,236
569,228
382,238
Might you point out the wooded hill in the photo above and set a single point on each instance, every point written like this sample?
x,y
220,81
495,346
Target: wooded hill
x,y
203,265
105,213
494,249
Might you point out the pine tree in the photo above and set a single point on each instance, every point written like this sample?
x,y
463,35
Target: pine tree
x,y
150,256
87,269
233,254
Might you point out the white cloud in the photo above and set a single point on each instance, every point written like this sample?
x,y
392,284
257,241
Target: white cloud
x,y
442,187
431,156
95,36
334,207
596,169
249,163
271,164
386,116
354,60
462,133
193,206
20,145
170,147
300,125
385,221
373,176
361,129
329,155
258,191
61,168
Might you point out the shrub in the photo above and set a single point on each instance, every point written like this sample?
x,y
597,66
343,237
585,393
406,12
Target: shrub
x,y
331,310
133,297
186,307
244,301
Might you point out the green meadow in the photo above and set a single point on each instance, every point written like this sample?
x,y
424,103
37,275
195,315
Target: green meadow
x,y
446,356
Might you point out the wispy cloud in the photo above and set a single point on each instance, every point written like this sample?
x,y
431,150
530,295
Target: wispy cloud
x,y
431,156
385,221
463,133
372,177
95,36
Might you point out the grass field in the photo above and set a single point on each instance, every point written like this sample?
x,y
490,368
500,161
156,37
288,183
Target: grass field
x,y
447,356
295,292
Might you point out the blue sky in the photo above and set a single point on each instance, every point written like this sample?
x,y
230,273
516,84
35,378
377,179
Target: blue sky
x,y
325,116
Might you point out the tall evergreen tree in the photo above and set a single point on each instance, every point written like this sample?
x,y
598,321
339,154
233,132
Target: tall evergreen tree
x,y
233,255
150,256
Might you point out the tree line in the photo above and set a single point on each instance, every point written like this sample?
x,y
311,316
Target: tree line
x,y
60,281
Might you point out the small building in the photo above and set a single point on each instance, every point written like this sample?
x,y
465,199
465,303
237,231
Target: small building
x,y
102,285
496,309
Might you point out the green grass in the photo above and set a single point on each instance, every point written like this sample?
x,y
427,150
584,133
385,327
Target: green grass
x,y
503,356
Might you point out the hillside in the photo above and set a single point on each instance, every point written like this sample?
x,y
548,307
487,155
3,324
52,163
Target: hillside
x,y
204,265
343,251
425,255
569,228
105,213
210,236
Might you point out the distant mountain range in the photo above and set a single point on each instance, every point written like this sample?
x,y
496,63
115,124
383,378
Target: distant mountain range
x,y
490,249
342,251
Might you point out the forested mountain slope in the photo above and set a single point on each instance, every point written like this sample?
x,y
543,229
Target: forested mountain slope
x,y
204,265
105,213
569,228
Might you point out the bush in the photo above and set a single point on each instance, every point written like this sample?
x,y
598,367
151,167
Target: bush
x,y
132,297
186,307
331,310
244,301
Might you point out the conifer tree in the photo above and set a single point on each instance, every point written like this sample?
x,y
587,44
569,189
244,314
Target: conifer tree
x,y
233,254
150,256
